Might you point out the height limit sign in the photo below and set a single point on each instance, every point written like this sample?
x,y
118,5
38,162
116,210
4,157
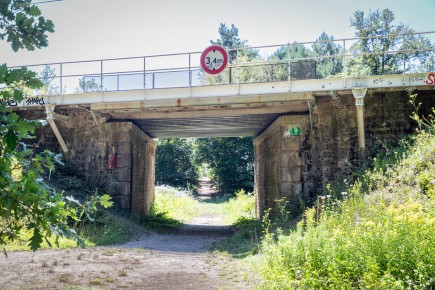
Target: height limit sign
x,y
214,59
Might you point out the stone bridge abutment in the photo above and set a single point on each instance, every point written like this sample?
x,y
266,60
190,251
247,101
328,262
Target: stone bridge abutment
x,y
297,156
118,157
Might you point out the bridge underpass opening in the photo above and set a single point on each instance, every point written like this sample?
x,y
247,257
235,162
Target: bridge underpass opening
x,y
291,159
186,191
127,104
228,162
278,162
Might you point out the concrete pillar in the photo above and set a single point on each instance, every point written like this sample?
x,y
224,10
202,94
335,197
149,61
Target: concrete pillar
x,y
143,172
359,94
117,137
281,163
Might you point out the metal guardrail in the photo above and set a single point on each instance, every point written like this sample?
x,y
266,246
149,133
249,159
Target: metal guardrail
x,y
183,70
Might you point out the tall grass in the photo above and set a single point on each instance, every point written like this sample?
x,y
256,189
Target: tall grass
x,y
108,228
379,234
175,203
171,207
241,206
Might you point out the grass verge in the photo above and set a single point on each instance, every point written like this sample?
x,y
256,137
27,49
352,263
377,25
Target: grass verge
x,y
239,211
110,227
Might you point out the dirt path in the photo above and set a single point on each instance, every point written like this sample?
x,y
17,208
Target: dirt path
x,y
177,260
206,189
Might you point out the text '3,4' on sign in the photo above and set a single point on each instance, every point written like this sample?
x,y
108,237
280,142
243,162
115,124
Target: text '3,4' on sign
x,y
214,59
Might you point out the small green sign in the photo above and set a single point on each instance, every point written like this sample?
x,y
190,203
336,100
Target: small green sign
x,y
294,131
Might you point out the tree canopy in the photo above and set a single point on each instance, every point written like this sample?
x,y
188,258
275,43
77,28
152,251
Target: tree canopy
x,y
380,37
376,53
231,161
175,162
326,48
229,39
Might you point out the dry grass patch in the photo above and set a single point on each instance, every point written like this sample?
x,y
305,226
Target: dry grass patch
x,y
64,278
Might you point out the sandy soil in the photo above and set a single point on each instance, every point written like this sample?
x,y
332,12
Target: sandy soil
x,y
177,260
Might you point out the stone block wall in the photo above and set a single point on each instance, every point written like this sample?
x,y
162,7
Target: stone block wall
x,y
143,168
335,137
283,162
335,134
109,159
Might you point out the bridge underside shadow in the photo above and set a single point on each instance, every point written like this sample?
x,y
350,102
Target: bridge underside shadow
x,y
229,120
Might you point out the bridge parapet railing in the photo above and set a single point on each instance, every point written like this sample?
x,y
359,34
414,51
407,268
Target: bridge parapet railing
x,y
351,57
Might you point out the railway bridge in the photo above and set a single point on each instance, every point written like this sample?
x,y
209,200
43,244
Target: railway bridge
x,y
308,128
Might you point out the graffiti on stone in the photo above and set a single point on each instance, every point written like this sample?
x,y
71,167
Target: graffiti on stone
x,y
380,82
430,79
417,78
9,103
425,79
34,101
27,102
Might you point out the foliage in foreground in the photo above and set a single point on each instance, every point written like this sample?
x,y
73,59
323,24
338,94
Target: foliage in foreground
x,y
27,202
28,205
380,235
94,225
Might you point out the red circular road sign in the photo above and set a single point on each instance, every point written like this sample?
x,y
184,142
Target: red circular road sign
x,y
214,59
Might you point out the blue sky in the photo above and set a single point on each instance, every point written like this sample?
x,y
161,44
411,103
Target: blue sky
x,y
94,29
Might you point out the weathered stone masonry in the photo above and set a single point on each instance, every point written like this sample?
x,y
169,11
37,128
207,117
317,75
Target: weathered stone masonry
x,y
282,162
119,159
328,149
